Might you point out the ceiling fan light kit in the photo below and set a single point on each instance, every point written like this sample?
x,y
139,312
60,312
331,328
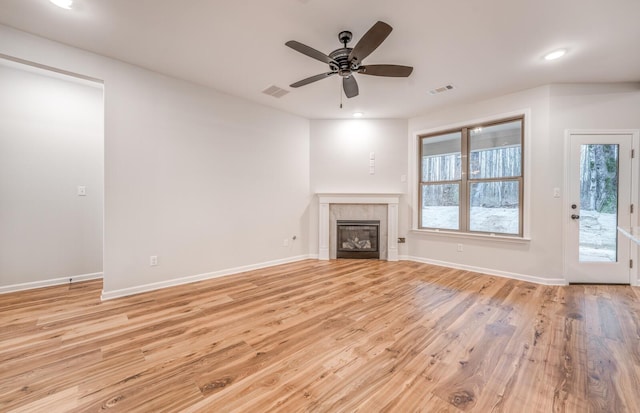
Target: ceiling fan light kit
x,y
347,61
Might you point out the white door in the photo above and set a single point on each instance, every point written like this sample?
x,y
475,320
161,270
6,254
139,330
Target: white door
x,y
599,200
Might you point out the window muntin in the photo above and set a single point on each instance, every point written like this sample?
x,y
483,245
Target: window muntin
x,y
471,179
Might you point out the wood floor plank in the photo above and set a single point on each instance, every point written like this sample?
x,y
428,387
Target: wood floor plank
x,y
324,336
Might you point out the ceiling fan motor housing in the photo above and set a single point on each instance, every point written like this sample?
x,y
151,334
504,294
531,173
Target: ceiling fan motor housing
x,y
341,56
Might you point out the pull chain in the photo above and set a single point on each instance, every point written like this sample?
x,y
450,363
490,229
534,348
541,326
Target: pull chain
x,y
340,89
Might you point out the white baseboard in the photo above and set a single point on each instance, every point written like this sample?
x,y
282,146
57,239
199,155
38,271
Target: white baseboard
x,y
488,271
110,295
48,283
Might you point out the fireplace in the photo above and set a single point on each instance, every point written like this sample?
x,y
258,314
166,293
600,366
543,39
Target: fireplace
x,y
351,206
358,239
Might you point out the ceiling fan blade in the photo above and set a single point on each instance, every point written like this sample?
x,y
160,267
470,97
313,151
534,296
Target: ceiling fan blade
x,y
386,70
370,41
350,86
310,51
312,79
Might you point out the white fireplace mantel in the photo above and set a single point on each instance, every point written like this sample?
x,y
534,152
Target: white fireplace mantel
x,y
326,199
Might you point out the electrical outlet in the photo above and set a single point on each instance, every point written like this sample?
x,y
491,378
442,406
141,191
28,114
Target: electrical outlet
x,y
153,260
459,247
82,190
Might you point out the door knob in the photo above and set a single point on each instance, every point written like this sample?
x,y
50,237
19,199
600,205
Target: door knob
x,y
574,216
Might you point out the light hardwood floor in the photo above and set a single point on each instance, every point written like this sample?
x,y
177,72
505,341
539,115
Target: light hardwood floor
x,y
347,335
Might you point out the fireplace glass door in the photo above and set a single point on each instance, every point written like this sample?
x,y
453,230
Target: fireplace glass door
x,y
358,239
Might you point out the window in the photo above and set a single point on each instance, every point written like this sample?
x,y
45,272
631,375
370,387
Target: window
x,y
471,179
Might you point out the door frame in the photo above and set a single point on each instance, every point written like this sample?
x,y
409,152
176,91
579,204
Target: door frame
x,y
635,183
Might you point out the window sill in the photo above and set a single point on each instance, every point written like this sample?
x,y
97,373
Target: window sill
x,y
467,235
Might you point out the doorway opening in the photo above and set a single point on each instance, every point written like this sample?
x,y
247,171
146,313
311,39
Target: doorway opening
x,y
51,176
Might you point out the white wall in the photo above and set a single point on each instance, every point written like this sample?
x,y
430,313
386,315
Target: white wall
x,y
50,142
554,109
539,259
340,161
212,183
207,182
340,155
595,106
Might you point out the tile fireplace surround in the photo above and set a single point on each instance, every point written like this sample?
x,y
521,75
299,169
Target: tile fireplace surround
x,y
324,219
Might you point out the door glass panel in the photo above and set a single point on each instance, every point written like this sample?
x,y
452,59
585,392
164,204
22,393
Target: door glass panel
x,y
598,203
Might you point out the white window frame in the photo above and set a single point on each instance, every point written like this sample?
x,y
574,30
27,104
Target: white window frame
x,y
414,169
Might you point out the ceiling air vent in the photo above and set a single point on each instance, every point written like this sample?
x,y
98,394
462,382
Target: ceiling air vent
x,y
441,89
275,91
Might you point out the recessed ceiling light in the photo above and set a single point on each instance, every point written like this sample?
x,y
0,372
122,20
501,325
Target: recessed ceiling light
x,y
65,4
358,114
555,54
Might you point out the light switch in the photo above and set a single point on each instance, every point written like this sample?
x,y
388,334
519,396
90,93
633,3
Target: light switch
x,y
556,192
372,163
372,170
82,191
372,155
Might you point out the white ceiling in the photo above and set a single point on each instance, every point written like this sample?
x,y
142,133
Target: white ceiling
x,y
484,48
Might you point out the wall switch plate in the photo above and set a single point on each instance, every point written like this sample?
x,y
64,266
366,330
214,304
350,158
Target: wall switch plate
x,y
372,170
153,260
372,156
82,190
556,192
372,163
285,242
459,248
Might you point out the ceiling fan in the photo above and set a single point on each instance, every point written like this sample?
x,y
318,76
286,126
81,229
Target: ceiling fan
x,y
347,61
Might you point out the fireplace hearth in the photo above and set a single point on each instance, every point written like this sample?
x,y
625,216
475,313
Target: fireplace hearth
x,y
358,239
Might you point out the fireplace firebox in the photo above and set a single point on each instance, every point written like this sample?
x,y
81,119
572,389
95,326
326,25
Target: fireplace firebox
x,y
358,239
